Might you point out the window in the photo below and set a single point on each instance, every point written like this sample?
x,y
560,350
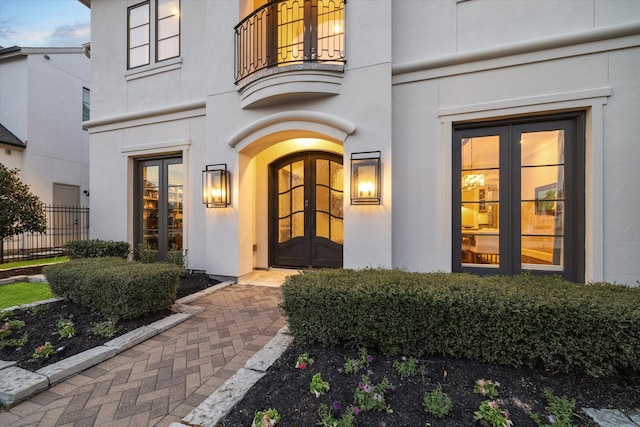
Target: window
x,y
86,104
518,198
166,32
139,35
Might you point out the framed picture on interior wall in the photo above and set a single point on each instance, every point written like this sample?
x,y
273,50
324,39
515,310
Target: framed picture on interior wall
x,y
546,198
482,197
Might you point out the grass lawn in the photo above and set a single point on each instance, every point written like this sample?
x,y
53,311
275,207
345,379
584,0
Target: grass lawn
x,y
23,293
32,262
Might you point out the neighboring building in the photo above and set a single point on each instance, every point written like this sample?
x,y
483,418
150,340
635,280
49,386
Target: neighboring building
x,y
506,133
44,97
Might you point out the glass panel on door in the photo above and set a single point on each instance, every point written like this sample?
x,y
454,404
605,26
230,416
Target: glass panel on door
x,y
542,199
480,196
150,209
174,206
329,200
291,201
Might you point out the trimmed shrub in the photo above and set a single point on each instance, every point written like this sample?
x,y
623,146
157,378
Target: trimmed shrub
x,y
97,248
524,321
117,288
145,254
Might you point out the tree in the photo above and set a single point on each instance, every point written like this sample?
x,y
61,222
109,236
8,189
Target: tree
x,y
20,210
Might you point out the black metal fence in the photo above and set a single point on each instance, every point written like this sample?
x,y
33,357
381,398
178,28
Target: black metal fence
x,y
64,224
289,32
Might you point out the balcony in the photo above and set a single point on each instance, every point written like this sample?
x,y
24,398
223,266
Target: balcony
x,y
297,45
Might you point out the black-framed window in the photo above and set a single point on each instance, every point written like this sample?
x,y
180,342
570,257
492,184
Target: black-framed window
x,y
518,196
167,29
161,24
138,40
86,104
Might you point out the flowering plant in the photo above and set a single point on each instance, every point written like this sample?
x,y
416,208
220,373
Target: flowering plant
x,y
369,396
328,420
437,403
303,361
486,388
318,386
266,418
490,411
351,366
66,328
44,350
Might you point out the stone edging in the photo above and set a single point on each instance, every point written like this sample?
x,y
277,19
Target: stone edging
x,y
17,384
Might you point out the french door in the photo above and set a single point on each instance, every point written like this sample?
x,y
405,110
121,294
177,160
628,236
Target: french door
x,y
518,196
306,211
159,204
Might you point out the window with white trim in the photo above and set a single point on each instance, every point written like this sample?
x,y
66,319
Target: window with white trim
x,y
161,24
518,196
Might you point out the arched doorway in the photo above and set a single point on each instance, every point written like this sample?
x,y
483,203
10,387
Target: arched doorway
x,y
306,210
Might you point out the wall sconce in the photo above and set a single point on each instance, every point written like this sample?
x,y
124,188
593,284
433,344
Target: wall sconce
x,y
215,186
365,178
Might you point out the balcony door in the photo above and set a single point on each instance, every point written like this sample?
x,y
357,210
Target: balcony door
x,y
519,196
306,211
159,204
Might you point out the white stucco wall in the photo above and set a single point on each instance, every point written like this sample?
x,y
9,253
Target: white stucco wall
x,y
41,103
414,68
475,80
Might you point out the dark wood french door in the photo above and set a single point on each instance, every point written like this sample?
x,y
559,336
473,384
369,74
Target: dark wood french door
x,y
518,196
159,204
306,211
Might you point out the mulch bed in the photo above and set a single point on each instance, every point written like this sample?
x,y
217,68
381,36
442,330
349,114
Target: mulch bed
x,y
22,271
42,326
286,389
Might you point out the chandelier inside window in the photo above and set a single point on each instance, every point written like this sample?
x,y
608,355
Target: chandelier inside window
x,y
471,181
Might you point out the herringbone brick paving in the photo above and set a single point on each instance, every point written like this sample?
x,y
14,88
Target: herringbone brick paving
x,y
164,378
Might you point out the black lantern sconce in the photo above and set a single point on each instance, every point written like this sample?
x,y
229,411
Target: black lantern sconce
x,y
215,186
365,178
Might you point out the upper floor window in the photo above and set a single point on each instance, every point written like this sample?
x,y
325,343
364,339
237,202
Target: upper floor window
x,y
162,23
86,104
283,32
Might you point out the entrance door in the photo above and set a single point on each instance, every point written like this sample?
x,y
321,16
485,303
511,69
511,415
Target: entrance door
x,y
306,211
159,204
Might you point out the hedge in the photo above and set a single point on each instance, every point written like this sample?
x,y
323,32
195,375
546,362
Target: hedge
x,y
97,248
524,321
117,288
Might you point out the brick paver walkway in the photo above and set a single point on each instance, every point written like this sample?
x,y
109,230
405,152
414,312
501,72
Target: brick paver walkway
x,y
162,379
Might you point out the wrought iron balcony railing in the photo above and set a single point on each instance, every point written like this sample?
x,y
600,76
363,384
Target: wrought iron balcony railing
x,y
286,32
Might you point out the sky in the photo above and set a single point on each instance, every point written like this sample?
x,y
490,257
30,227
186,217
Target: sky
x,y
44,23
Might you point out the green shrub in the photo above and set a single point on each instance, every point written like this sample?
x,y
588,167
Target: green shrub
x,y
179,257
145,254
97,248
527,321
117,288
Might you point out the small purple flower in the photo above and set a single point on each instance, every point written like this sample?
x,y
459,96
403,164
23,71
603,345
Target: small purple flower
x,y
367,388
356,410
361,384
369,358
336,406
